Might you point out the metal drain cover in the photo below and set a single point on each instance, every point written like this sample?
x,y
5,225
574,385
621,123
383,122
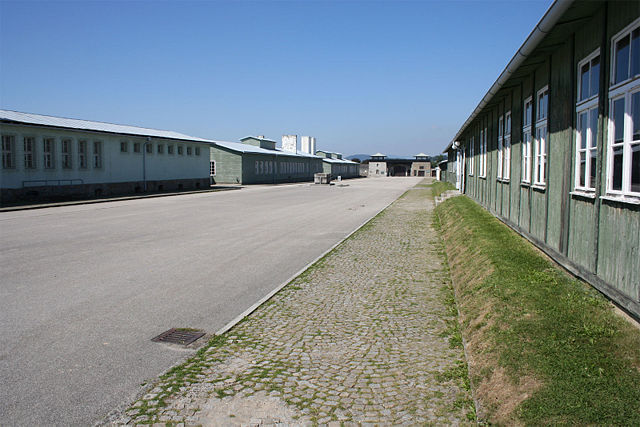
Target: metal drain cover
x,y
182,336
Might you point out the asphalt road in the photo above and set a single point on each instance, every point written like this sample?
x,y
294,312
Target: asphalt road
x,y
84,288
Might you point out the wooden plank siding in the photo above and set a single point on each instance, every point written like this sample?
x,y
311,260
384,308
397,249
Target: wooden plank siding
x,y
593,237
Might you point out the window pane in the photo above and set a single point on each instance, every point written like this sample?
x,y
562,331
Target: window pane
x,y
617,168
592,168
635,115
635,52
583,166
618,120
635,168
584,82
582,129
594,127
622,60
595,76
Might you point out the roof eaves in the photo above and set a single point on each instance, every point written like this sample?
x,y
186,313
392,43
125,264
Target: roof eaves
x,y
542,28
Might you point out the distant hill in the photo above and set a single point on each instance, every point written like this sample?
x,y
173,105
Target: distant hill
x,y
362,157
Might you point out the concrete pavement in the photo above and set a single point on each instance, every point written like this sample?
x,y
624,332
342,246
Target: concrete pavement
x,y
85,288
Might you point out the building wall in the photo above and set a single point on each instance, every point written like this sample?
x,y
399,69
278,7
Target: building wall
x,y
377,169
590,233
115,166
228,165
345,170
421,169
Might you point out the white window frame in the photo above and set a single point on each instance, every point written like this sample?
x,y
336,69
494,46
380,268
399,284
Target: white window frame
x,y
483,153
506,171
29,152
500,146
472,156
623,90
83,147
526,140
66,147
587,107
48,153
8,151
540,141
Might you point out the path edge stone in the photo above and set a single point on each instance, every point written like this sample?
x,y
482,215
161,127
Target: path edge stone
x,y
278,288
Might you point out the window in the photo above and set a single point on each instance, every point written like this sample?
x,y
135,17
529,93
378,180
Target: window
x,y
189,150
540,141
97,154
483,153
160,148
82,154
500,145
48,151
136,147
170,149
623,151
197,151
526,140
29,152
589,76
506,170
212,168
124,146
626,54
587,123
257,167
8,151
149,147
180,150
67,157
472,157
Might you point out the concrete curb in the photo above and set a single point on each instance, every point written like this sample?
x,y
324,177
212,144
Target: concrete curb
x,y
115,199
271,294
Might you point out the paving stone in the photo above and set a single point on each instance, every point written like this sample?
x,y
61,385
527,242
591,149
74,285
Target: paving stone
x,y
358,337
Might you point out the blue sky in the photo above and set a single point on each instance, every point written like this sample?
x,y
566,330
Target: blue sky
x,y
361,76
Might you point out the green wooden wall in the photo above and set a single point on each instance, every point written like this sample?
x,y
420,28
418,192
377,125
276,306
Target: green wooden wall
x,y
595,238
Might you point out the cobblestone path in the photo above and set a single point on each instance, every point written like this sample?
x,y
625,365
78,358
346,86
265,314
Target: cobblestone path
x,y
364,336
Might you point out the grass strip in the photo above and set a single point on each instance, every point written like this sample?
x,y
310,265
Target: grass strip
x,y
543,347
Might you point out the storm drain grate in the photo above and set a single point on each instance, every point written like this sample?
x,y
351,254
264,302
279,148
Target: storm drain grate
x,y
180,336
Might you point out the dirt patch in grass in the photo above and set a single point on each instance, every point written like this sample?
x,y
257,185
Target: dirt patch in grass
x,y
542,347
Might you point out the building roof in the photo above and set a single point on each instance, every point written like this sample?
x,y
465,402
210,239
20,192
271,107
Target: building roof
x,y
246,148
421,155
257,138
533,41
378,155
344,161
61,122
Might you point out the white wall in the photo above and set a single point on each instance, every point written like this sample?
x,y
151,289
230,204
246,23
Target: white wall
x,y
116,166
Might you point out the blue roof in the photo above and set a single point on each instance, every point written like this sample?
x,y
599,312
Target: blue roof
x,y
61,122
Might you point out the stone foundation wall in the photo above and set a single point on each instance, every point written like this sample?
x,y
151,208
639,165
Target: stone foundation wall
x,y
90,191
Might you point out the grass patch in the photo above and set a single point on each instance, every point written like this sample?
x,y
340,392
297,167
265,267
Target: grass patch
x,y
544,348
439,187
